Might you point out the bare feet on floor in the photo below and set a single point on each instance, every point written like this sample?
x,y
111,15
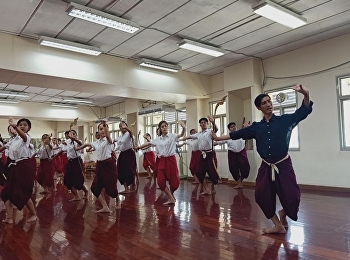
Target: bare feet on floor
x,y
238,186
275,229
104,210
169,203
75,199
7,221
32,218
206,192
283,218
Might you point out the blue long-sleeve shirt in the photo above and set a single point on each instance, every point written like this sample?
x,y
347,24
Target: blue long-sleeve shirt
x,y
272,138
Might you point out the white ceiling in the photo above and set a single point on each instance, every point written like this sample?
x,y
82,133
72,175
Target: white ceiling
x,y
230,24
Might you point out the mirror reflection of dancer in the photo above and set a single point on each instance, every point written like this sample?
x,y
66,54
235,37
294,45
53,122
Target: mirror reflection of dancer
x,y
149,158
167,169
237,158
106,175
21,176
272,135
126,164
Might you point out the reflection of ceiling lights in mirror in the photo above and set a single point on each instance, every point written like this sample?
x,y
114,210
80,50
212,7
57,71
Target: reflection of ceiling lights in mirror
x,y
156,109
13,95
102,18
63,105
201,48
9,101
69,46
279,14
84,101
160,65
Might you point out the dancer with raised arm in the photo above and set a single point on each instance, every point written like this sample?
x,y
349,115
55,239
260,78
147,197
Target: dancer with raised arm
x,y
22,168
237,157
167,170
276,174
106,176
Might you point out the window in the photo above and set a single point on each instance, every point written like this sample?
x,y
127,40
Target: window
x,y
286,106
343,87
220,122
92,134
114,130
151,123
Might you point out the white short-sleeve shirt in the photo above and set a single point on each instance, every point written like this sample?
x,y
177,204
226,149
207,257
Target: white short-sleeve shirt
x,y
234,145
165,145
19,149
204,139
44,152
103,149
124,142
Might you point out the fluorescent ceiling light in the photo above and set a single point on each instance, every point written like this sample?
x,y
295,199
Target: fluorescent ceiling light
x,y
85,101
105,19
69,46
160,65
200,47
63,105
279,14
9,101
13,95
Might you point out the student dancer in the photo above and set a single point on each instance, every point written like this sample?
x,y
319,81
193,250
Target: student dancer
x,y
106,176
56,148
73,177
19,185
276,174
149,158
167,166
237,158
195,156
46,170
127,159
208,161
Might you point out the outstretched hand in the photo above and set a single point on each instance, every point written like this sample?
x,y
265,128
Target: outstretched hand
x,y
211,118
301,89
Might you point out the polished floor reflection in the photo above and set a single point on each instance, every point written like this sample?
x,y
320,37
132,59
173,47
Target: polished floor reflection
x,y
222,226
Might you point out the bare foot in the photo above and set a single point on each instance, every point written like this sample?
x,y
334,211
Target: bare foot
x,y
104,210
275,229
86,195
206,192
7,221
169,203
283,218
124,192
75,199
238,186
32,218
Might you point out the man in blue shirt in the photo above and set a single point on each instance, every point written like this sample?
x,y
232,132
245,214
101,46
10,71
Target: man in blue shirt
x,y
276,174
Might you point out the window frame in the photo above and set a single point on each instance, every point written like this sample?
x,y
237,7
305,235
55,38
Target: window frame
x,y
223,120
282,108
340,101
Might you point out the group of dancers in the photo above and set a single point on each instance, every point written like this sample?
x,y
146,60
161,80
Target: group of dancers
x,y
272,136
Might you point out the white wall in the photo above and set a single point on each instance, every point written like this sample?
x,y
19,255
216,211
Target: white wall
x,y
39,127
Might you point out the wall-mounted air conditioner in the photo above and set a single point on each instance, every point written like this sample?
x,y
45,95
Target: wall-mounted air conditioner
x,y
157,108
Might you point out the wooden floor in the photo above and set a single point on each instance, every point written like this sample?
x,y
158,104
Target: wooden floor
x,y
222,226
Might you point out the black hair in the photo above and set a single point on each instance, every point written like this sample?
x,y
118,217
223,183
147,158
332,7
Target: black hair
x,y
59,139
98,127
229,125
73,131
124,122
44,135
192,130
25,120
97,131
257,101
203,118
160,124
66,133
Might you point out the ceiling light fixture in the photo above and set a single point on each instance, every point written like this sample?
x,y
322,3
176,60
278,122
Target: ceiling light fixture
x,y
160,65
63,105
69,46
9,101
279,14
13,95
102,18
201,48
85,101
